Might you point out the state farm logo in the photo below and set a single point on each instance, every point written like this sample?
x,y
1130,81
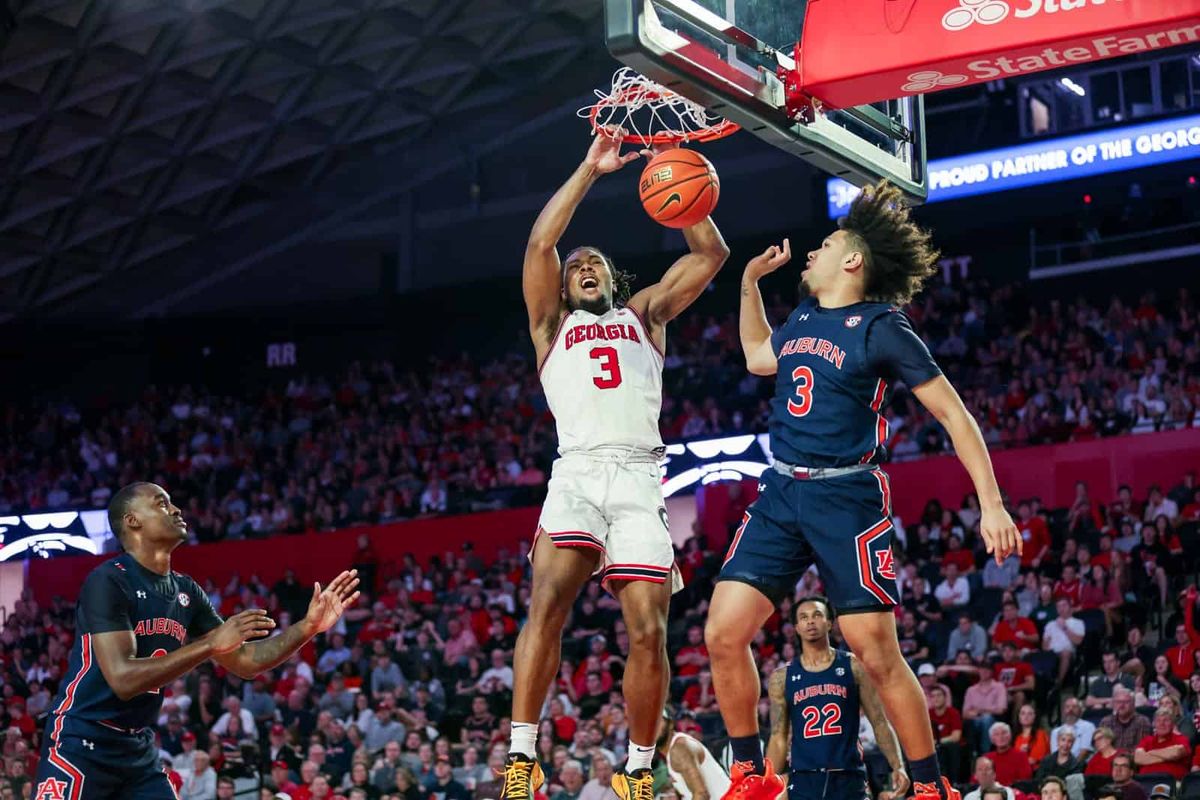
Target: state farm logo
x,y
985,12
930,79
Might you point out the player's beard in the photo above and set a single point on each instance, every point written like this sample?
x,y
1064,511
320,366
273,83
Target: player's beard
x,y
598,306
802,290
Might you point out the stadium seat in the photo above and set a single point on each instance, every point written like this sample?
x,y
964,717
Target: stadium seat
x,y
1189,789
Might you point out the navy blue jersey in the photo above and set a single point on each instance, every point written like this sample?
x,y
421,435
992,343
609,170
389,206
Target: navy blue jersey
x,y
837,368
162,611
824,713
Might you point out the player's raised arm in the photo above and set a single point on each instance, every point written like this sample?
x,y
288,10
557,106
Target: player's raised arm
x,y
324,609
688,276
885,735
541,278
995,525
781,724
753,327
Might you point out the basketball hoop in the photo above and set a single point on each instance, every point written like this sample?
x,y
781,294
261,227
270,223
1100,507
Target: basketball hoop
x,y
653,113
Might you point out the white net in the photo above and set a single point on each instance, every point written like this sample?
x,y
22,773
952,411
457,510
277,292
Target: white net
x,y
653,113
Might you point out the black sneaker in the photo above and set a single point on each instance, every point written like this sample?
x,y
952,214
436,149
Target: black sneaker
x,y
522,777
636,785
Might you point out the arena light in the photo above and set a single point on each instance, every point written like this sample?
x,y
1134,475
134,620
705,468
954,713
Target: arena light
x,y
1049,161
1073,86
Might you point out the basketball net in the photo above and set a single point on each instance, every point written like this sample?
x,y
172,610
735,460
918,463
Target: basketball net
x,y
653,113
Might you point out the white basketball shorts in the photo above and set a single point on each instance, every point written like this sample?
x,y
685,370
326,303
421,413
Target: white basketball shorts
x,y
616,508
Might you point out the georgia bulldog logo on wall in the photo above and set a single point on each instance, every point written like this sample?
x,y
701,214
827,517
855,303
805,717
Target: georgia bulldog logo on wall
x,y
184,599
852,322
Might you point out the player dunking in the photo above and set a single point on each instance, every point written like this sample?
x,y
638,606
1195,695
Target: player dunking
x,y
826,500
815,703
600,359
132,619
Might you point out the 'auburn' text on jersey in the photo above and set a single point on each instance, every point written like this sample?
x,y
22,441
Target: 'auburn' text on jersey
x,y
603,382
160,611
824,715
836,369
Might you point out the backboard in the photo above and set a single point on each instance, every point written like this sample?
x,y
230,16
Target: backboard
x,y
737,58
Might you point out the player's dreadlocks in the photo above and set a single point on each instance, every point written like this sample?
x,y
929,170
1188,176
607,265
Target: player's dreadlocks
x,y
622,281
897,254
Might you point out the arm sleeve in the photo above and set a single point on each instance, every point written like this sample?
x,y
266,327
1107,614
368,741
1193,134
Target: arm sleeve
x,y
896,352
103,604
205,617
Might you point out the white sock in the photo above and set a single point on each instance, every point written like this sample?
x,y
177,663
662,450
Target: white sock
x,y
524,739
639,757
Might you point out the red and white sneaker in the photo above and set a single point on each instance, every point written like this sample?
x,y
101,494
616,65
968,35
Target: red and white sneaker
x,y
745,784
929,791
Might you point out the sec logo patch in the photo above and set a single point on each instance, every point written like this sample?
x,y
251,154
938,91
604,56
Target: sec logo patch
x,y
184,599
852,322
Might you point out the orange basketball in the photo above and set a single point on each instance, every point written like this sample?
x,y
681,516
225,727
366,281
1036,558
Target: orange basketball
x,y
679,188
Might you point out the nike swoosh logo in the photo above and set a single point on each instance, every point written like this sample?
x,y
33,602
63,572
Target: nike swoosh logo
x,y
672,198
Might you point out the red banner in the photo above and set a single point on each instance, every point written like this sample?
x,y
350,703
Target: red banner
x,y
854,52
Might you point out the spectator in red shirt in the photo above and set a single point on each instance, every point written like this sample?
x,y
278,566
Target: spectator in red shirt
x,y
1069,585
1011,764
1165,750
693,656
1036,534
1016,675
947,731
1182,654
1012,627
1101,762
955,554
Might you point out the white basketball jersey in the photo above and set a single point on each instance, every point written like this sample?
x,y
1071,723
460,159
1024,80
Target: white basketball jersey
x,y
716,780
603,382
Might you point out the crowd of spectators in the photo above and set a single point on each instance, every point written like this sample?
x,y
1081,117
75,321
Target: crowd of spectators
x,y
379,443
1073,661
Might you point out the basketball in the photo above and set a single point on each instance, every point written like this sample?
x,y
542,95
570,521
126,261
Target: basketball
x,y
679,188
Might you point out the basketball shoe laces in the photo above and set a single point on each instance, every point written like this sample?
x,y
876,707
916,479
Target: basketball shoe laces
x,y
518,778
641,788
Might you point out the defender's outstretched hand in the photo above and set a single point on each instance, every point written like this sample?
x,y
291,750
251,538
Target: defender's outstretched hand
x,y
1000,534
327,606
604,155
770,260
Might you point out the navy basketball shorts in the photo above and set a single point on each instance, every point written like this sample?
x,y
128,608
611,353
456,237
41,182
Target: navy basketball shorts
x,y
828,785
841,524
102,768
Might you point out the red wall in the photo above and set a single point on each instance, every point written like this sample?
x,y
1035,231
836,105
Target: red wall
x,y
1049,472
314,556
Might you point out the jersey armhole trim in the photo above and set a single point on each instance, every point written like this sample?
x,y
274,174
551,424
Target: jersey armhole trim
x,y
646,330
553,341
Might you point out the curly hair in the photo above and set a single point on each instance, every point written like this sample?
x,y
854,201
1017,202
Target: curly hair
x,y
622,281
898,256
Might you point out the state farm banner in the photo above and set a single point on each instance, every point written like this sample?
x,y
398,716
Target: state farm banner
x,y
854,52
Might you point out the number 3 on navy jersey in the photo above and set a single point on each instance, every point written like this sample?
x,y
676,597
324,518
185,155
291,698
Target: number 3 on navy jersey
x,y
801,404
822,721
611,377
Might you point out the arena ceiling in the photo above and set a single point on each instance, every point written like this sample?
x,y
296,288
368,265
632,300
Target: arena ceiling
x,y
137,135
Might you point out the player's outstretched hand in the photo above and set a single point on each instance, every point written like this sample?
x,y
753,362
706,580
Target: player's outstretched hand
x,y
327,606
1000,534
604,155
769,260
235,631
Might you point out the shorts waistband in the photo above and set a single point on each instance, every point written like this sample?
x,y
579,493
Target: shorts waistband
x,y
619,455
818,473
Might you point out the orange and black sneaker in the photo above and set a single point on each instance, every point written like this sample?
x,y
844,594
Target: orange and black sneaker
x,y
929,791
522,777
746,784
636,785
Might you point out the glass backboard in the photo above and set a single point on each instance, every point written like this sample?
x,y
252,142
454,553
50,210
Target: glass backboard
x,y
736,57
